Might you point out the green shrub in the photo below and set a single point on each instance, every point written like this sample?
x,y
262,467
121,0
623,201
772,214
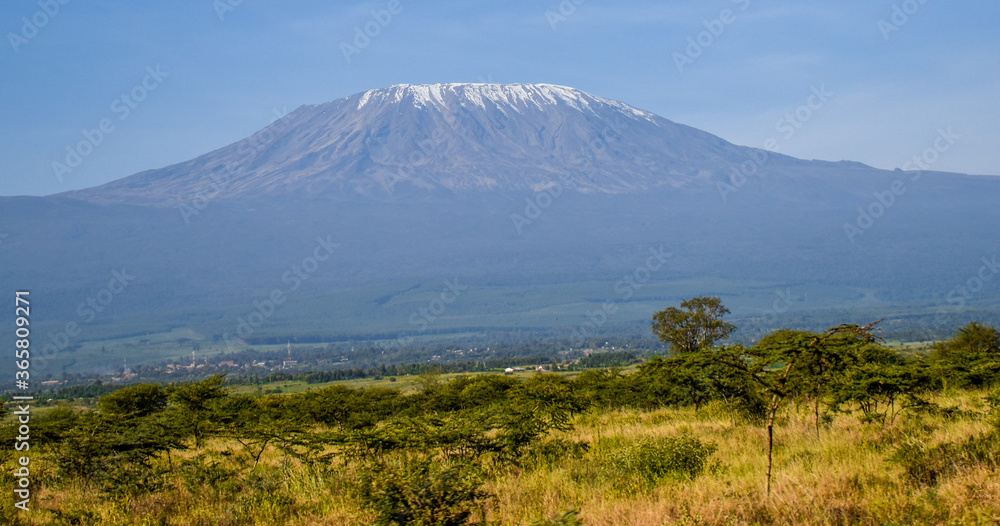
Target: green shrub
x,y
928,465
553,451
10,515
256,507
993,401
203,473
651,460
569,518
133,478
72,517
421,491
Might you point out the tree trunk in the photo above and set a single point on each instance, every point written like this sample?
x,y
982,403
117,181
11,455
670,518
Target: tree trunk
x,y
816,413
770,447
772,413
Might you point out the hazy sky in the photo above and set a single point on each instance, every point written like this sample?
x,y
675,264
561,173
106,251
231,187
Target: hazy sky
x,y
215,72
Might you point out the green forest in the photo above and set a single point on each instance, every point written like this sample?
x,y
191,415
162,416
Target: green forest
x,y
831,427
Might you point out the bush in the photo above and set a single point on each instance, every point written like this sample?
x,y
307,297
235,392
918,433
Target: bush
x,y
202,473
10,515
420,491
72,517
553,451
993,401
971,357
651,460
928,465
256,507
570,518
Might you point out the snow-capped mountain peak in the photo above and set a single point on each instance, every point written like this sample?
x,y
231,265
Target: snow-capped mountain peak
x,y
504,96
451,137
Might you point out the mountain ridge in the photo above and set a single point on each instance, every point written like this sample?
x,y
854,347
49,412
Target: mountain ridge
x,y
456,137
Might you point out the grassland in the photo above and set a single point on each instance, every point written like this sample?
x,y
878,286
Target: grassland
x,y
841,477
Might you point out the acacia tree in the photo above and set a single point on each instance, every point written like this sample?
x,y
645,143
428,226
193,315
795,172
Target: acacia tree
x,y
116,445
696,325
818,359
790,363
691,378
134,401
971,357
878,378
192,405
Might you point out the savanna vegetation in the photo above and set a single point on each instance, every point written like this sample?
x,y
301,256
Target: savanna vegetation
x,y
801,428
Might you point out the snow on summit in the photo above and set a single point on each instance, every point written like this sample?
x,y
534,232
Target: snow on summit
x,y
503,96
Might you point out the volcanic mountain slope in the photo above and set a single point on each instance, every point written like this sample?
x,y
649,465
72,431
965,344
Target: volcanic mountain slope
x,y
408,139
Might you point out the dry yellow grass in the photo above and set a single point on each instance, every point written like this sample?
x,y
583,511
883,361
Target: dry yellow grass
x,y
840,478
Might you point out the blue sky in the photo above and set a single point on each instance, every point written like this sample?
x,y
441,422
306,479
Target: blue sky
x,y
223,77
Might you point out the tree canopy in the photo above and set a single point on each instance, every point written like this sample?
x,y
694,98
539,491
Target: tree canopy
x,y
696,325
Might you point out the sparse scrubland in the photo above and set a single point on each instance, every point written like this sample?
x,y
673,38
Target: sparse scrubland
x,y
862,434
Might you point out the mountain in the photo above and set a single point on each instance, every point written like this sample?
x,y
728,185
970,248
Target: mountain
x,y
533,209
445,137
456,138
